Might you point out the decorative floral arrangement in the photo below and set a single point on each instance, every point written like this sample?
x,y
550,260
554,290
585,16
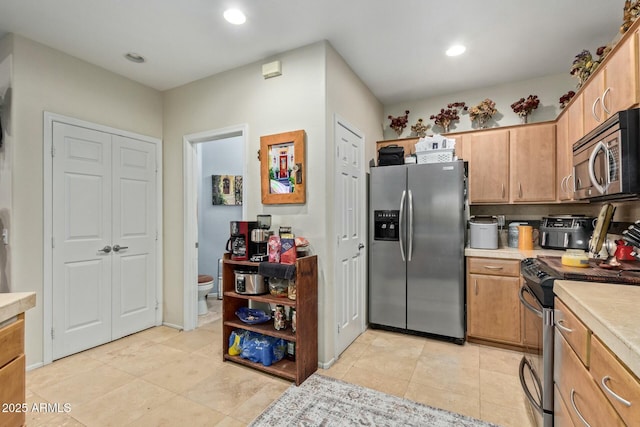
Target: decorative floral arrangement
x,y
524,107
564,99
420,129
483,112
399,123
445,117
630,13
584,64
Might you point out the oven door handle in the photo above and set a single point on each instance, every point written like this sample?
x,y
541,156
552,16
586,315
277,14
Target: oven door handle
x,y
524,362
526,303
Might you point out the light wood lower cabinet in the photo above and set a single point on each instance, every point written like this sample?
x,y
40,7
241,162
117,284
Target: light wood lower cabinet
x,y
12,373
493,307
596,388
586,403
620,387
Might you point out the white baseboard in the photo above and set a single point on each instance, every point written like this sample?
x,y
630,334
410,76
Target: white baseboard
x,y
326,365
171,325
35,366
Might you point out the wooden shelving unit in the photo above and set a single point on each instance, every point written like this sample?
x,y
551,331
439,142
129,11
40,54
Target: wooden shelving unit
x,y
306,305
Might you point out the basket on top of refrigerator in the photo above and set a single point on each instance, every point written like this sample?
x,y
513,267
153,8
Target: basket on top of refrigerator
x,y
435,149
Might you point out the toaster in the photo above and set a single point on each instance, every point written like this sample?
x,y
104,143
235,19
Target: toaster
x,y
566,232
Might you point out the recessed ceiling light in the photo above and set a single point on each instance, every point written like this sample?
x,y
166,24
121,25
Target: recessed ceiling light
x,y
234,16
134,57
456,50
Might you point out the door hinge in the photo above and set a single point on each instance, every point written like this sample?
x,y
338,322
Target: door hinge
x,y
338,328
53,335
53,242
53,151
157,304
196,245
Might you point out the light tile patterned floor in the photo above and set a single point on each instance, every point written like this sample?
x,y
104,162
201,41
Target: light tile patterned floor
x,y
164,377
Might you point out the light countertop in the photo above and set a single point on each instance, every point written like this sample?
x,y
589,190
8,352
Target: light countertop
x,y
14,303
611,312
510,253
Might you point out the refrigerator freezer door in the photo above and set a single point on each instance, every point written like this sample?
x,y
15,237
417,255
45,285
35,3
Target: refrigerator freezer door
x,y
435,274
387,270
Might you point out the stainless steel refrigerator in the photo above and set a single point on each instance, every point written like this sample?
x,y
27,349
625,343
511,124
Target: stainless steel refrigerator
x,y
417,223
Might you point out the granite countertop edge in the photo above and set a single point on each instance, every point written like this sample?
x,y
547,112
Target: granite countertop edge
x,y
14,303
610,312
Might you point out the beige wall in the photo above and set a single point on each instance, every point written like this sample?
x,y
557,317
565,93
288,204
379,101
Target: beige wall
x,y
315,84
48,80
548,88
6,47
295,100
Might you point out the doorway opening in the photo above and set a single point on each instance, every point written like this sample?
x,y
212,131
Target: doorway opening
x,y
213,162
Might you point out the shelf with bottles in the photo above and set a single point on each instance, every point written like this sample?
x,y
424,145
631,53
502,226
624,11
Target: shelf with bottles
x,y
306,305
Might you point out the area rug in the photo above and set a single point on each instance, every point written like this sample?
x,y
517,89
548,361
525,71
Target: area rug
x,y
325,401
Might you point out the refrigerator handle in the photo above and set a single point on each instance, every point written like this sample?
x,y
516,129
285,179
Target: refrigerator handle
x,y
410,231
401,231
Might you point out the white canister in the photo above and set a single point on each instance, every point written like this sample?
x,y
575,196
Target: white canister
x,y
483,232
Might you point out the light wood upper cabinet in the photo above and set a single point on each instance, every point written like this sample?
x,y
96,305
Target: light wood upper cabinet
x,y
613,87
563,158
592,113
621,85
488,166
533,163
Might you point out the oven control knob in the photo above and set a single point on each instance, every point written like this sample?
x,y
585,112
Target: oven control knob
x,y
541,274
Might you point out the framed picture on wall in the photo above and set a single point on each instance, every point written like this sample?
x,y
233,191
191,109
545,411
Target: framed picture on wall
x,y
282,168
226,190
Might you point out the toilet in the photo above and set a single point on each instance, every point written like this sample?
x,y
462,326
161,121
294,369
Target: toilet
x,y
205,284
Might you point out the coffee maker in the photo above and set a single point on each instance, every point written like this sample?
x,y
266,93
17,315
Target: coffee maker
x,y
260,236
239,244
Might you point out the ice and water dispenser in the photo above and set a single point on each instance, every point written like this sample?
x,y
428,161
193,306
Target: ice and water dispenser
x,y
386,225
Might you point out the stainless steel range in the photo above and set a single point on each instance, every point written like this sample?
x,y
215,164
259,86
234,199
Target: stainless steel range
x,y
536,366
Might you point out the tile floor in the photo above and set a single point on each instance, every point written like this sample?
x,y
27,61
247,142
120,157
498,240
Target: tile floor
x,y
165,377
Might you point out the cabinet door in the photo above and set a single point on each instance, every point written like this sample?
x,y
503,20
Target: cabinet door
x,y
488,166
493,308
564,158
621,89
592,112
585,402
533,163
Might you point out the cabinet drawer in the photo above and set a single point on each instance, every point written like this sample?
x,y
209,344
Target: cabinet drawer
x,y
573,330
11,341
494,266
561,414
605,367
580,393
13,391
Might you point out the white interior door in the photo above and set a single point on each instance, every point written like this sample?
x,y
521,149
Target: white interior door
x,y
133,236
350,256
81,228
105,238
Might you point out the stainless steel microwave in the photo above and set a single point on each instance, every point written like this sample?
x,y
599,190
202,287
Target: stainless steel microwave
x,y
606,161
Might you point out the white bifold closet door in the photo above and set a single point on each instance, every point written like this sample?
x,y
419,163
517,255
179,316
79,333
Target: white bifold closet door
x,y
104,237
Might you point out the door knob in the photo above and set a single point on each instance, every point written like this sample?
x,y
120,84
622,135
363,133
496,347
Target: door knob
x,y
106,249
117,248
360,246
